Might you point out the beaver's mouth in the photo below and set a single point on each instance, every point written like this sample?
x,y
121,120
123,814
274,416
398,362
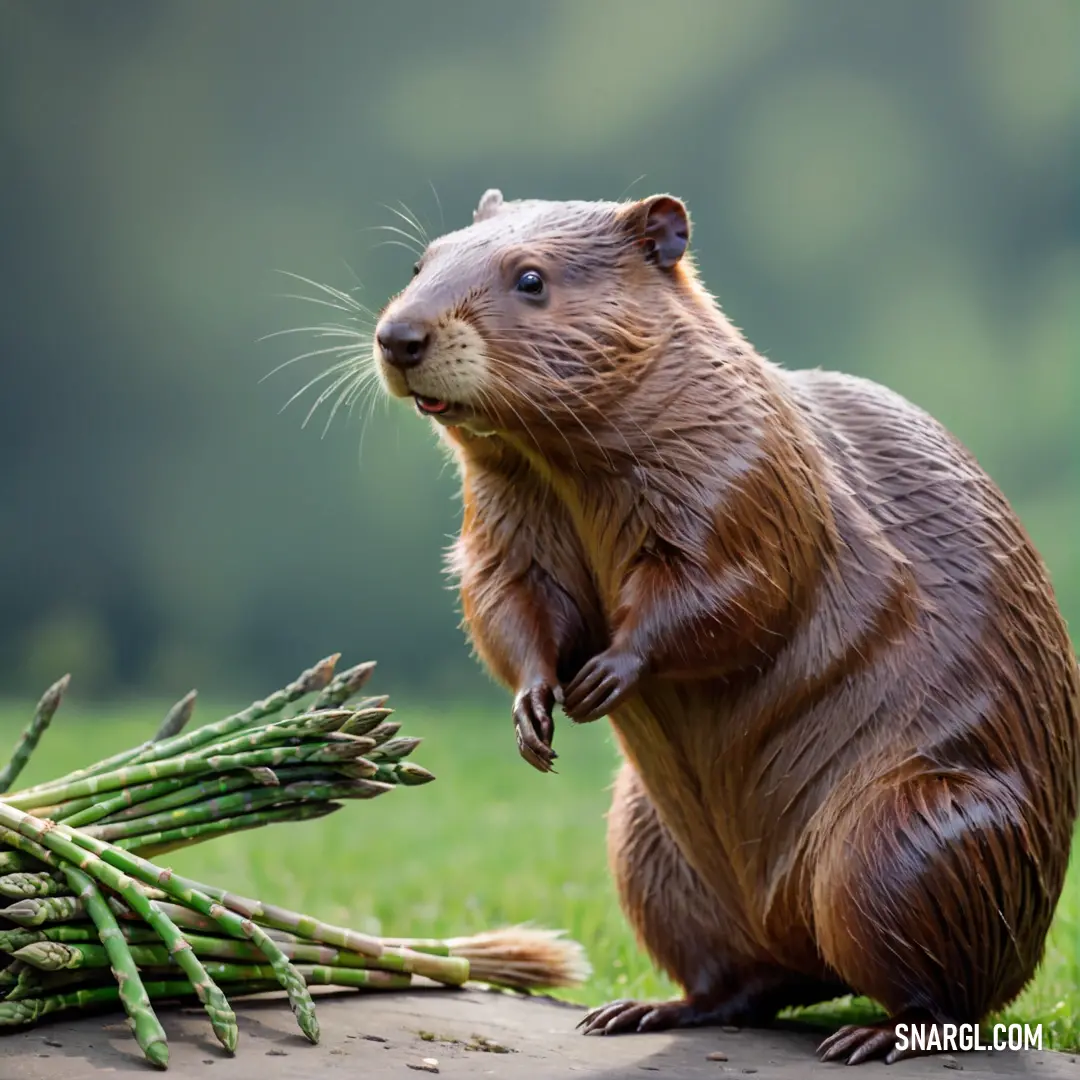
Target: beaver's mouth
x,y
430,406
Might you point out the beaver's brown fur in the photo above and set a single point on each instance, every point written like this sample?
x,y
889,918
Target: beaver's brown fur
x,y
847,701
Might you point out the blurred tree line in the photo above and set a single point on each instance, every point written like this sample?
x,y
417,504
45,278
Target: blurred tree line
x,y
887,189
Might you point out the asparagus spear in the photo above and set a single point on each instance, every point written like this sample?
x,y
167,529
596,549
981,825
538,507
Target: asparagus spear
x,y
149,1033
67,857
243,802
26,884
58,956
136,800
13,861
169,839
16,1013
317,975
43,909
344,685
13,940
187,765
315,678
393,749
154,802
405,773
176,718
26,745
65,842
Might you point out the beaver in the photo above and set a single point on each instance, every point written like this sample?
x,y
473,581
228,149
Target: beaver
x,y
847,703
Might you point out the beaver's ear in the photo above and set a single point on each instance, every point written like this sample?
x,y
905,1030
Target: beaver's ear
x,y
490,204
662,227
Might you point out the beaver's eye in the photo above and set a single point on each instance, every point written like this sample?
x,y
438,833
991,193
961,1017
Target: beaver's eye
x,y
530,283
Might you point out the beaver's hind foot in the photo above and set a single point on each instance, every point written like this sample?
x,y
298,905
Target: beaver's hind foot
x,y
620,1017
857,1043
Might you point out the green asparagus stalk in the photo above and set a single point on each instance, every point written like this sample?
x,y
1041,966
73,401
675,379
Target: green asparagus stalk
x,y
188,765
402,772
65,842
176,719
57,956
29,1010
144,799
317,975
14,861
365,720
323,725
28,982
9,976
156,795
64,855
344,685
315,678
394,750
242,802
384,731
13,940
45,983
26,745
278,922
45,909
170,839
149,1033
179,796
23,885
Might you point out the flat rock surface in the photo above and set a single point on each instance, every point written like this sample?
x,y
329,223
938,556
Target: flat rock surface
x,y
466,1034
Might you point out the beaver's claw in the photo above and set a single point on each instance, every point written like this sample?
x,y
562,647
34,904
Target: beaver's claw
x,y
534,725
604,682
855,1043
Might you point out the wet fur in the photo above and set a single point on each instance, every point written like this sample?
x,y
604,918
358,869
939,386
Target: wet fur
x,y
852,759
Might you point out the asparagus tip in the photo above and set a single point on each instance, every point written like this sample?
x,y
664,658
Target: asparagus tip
x,y
58,688
157,1053
321,674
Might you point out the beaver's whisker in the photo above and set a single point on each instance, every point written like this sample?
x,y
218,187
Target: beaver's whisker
x,y
407,241
350,388
340,381
412,221
326,330
354,347
356,395
332,370
438,203
358,309
397,243
349,301
365,381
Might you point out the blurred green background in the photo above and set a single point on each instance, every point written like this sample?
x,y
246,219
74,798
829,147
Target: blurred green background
x,y
888,189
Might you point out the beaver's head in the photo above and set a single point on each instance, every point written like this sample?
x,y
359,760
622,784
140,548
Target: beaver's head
x,y
536,310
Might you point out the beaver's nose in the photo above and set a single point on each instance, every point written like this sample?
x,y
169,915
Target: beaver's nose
x,y
403,343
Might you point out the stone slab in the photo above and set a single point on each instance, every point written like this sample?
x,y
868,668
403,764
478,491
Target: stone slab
x,y
379,1035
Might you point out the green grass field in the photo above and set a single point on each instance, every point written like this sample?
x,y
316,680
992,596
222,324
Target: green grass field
x,y
491,842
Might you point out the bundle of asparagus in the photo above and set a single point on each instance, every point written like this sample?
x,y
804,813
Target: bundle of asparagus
x,y
90,921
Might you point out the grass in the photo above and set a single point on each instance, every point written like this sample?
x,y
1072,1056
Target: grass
x,y
491,842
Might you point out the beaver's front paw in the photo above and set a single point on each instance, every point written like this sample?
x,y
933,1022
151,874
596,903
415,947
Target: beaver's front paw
x,y
534,724
604,682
